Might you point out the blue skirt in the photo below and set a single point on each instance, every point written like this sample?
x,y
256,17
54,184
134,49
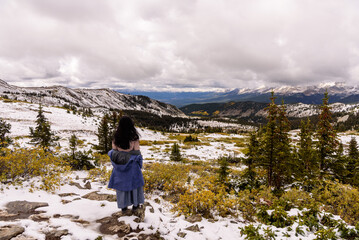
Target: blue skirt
x,y
128,198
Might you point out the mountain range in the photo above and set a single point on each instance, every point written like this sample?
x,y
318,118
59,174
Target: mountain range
x,y
94,98
338,92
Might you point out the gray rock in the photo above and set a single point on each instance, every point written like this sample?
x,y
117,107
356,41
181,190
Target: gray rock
x,y
111,226
56,234
181,234
87,185
67,194
194,218
76,185
140,212
100,197
39,217
4,215
10,231
18,207
154,236
193,228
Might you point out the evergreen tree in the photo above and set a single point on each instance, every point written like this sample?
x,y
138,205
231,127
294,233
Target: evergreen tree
x,y
4,130
276,146
175,153
223,171
78,160
352,166
307,166
327,138
104,135
42,135
252,158
283,168
74,142
270,142
339,163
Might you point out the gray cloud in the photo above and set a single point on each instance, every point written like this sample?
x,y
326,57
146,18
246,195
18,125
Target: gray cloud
x,y
158,44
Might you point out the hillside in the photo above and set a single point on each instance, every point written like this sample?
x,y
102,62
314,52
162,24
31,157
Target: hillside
x,y
250,109
85,98
183,199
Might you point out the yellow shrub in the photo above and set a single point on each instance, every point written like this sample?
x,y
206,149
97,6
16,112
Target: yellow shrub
x,y
157,175
298,198
101,174
22,164
206,197
100,159
339,199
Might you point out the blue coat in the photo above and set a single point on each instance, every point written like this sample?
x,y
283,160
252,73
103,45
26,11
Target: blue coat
x,y
126,174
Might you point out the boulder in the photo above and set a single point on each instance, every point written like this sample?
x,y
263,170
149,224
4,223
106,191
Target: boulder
x,y
18,207
10,231
55,234
193,228
87,185
194,218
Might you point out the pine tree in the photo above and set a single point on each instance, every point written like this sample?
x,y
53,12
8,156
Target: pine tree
x,y
270,141
223,171
276,146
42,135
283,168
175,153
252,158
327,138
307,165
78,160
104,135
352,165
4,130
339,163
74,143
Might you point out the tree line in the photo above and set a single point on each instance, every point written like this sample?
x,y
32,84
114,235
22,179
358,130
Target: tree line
x,y
317,155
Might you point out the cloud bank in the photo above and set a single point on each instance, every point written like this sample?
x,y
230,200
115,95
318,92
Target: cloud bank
x,y
173,45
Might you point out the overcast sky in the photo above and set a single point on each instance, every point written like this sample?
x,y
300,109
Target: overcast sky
x,y
178,45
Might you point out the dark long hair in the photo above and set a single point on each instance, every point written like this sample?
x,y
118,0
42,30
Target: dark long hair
x,y
125,133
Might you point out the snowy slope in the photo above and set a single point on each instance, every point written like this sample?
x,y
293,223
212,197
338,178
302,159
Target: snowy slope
x,y
103,98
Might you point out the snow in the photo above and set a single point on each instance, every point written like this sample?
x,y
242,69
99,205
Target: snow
x,y
22,116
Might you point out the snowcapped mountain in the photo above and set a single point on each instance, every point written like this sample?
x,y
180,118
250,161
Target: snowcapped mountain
x,y
94,98
338,92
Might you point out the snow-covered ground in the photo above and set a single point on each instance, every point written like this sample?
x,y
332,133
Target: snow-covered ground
x,y
79,215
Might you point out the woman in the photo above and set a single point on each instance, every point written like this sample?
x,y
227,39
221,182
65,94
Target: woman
x,y
126,159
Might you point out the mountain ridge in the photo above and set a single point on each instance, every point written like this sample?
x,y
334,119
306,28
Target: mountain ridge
x,y
338,92
83,97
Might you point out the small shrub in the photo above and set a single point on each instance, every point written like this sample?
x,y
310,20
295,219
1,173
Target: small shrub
x,y
22,164
339,199
223,171
278,218
157,175
326,234
190,139
101,174
298,198
251,232
206,197
175,153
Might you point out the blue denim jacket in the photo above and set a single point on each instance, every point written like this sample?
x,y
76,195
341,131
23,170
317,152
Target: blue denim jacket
x,y
126,174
